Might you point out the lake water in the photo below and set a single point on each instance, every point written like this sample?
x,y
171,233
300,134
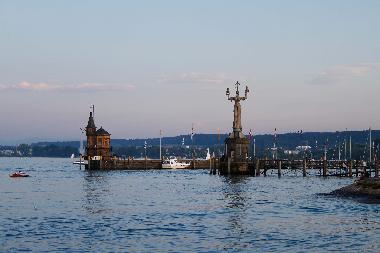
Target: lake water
x,y
62,209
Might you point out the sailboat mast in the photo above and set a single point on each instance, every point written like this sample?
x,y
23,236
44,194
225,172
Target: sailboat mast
x,y
370,145
160,144
350,148
345,149
339,151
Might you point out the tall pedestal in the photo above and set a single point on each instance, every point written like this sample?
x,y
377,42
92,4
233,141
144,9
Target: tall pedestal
x,y
235,159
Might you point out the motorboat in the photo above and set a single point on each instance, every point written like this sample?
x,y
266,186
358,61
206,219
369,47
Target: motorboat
x,y
173,163
81,162
19,174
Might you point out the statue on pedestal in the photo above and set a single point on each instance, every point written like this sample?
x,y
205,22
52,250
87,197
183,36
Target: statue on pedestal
x,y
235,158
236,126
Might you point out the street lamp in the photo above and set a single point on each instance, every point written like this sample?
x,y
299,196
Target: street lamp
x,y
228,92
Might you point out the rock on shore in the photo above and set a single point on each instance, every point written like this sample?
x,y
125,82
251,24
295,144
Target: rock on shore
x,y
368,188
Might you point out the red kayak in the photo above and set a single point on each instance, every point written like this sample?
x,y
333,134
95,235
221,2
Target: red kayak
x,y
19,174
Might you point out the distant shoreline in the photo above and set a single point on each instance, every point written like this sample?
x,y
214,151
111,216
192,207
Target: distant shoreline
x,y
182,145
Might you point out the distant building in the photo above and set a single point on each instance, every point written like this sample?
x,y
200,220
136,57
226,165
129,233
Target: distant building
x,y
98,141
7,152
291,152
303,148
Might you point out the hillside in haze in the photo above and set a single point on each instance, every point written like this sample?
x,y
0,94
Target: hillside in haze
x,y
173,145
288,140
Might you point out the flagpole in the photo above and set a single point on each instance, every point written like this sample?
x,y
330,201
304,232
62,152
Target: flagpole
x,y
370,146
345,149
192,138
145,154
192,144
250,139
145,149
219,142
160,144
274,143
350,148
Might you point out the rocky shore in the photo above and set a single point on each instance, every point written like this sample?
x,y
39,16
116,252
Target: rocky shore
x,y
367,188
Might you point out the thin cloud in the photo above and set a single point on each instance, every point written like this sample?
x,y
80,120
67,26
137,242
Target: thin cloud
x,y
35,86
194,78
82,87
205,81
341,73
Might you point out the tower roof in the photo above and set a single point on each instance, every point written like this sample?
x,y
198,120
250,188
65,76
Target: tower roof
x,y
91,123
101,131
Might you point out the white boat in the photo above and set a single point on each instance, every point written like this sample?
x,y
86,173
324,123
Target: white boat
x,y
172,163
82,162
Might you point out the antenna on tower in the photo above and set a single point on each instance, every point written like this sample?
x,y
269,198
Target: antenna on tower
x,y
93,110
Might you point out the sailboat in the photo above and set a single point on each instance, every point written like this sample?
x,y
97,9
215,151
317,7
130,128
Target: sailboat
x,y
81,152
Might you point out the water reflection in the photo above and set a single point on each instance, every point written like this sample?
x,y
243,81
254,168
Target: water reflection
x,y
234,191
169,211
235,197
96,188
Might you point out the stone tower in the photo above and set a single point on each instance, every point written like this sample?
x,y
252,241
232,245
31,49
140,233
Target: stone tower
x,y
235,158
91,136
103,140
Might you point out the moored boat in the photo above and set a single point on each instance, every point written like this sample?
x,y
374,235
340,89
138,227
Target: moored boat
x,y
81,162
19,174
173,163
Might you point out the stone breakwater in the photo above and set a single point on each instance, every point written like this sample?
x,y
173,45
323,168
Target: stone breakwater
x,y
368,188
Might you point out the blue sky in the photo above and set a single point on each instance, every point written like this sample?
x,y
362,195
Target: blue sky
x,y
150,65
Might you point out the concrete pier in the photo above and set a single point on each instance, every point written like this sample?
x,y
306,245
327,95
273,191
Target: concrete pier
x,y
267,167
146,164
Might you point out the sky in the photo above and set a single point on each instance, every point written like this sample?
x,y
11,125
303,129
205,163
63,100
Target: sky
x,y
151,65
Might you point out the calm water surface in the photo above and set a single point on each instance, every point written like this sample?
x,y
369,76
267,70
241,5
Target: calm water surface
x,y
60,208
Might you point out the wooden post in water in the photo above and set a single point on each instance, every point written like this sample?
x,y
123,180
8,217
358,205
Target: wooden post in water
x,y
229,165
377,168
357,169
265,168
304,168
350,169
279,168
213,165
210,166
325,168
257,167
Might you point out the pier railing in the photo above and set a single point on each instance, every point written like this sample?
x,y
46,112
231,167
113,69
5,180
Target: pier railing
x,y
257,167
